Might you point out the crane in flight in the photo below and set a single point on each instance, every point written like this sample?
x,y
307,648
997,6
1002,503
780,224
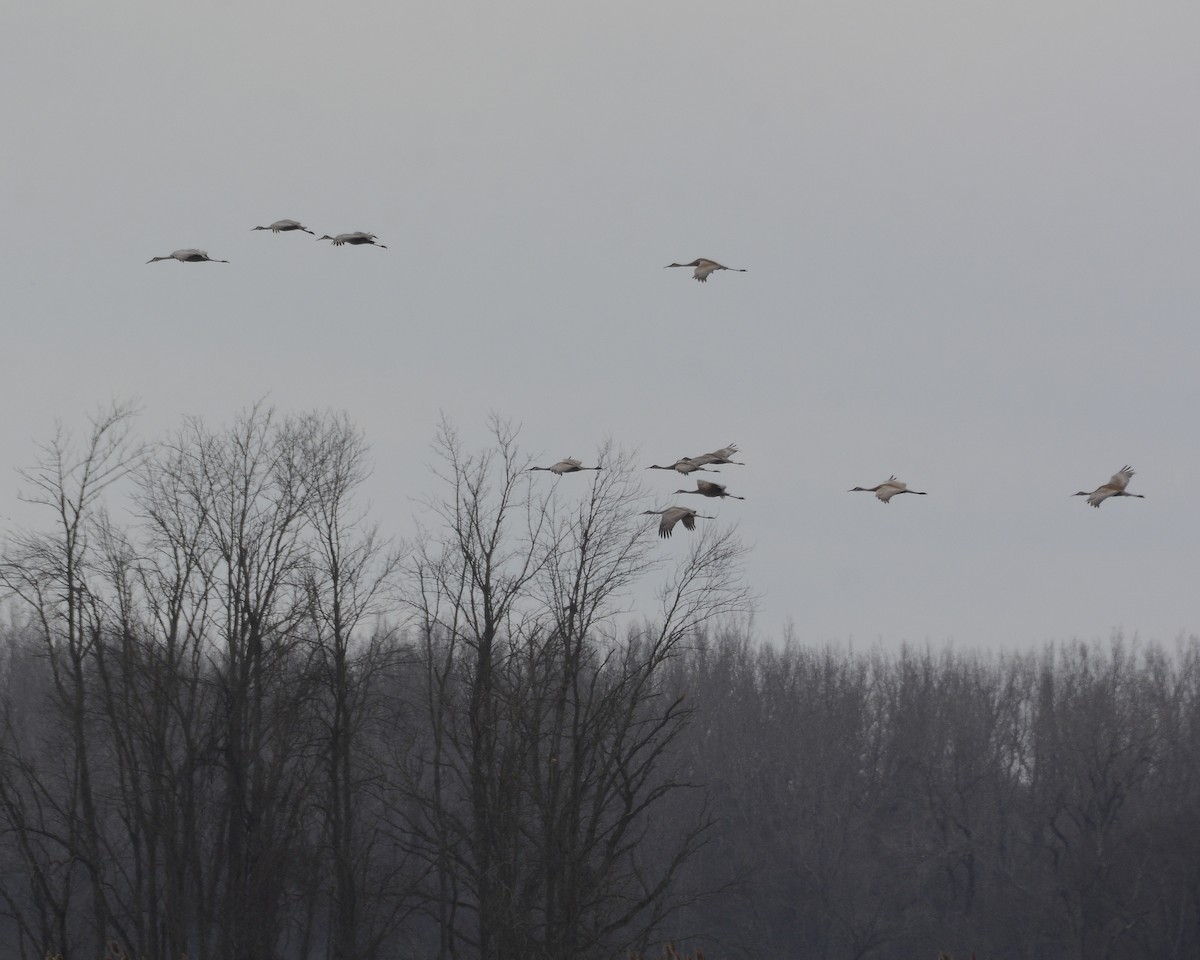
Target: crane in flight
x,y
190,255
1114,488
721,456
284,226
566,465
672,515
356,239
684,465
888,489
704,268
706,488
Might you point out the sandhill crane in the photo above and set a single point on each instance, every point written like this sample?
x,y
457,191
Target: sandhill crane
x,y
719,456
683,465
188,256
1114,488
888,489
567,465
704,268
354,239
284,226
706,488
672,515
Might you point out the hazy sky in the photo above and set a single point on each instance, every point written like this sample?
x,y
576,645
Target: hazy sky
x,y
971,231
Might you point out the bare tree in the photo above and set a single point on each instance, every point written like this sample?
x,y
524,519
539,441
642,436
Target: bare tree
x,y
348,583
468,579
1095,743
550,725
51,575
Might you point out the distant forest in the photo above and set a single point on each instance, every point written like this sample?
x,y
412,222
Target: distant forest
x,y
238,723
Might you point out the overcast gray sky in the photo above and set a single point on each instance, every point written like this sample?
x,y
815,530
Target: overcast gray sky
x,y
971,231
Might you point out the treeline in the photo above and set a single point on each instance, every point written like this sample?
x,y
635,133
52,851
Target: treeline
x,y
1044,804
242,724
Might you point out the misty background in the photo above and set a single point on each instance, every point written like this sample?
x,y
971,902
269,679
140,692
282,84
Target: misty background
x,y
965,721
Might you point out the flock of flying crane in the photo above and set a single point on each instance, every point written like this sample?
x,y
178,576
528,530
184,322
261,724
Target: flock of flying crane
x,y
884,492
702,270
356,239
684,465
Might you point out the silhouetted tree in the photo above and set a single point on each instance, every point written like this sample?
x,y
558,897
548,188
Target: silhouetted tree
x,y
550,729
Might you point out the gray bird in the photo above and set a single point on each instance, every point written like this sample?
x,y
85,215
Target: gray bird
x,y
358,238
888,489
704,268
706,488
1114,488
684,465
672,515
566,465
719,456
188,256
284,226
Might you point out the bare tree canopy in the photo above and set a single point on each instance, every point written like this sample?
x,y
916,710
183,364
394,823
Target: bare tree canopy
x,y
243,722
266,728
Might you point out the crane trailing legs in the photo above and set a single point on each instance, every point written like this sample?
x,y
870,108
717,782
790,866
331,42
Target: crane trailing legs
x,y
706,488
356,239
566,465
188,256
721,456
673,515
704,268
1114,488
888,489
284,226
684,465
